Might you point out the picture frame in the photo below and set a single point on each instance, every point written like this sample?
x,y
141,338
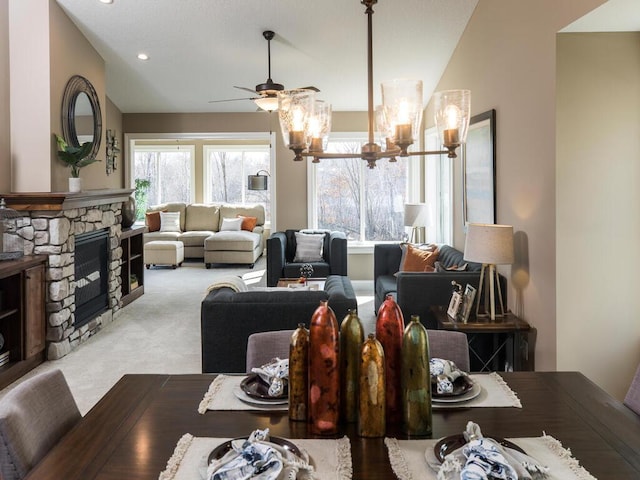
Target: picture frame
x,y
454,304
467,303
479,170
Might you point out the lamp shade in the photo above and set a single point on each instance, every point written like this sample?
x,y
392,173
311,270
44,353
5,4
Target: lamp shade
x,y
416,215
489,244
257,182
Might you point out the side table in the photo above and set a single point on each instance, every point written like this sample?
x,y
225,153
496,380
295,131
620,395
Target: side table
x,y
506,332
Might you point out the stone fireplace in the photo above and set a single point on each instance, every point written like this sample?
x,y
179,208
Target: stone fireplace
x,y
49,225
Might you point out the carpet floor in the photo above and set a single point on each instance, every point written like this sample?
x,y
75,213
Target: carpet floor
x,y
160,331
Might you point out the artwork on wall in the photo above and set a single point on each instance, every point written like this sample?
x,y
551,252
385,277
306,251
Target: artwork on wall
x,y
112,152
479,170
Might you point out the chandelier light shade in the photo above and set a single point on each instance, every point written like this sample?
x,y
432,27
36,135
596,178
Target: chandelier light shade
x,y
319,127
452,113
398,120
257,181
490,245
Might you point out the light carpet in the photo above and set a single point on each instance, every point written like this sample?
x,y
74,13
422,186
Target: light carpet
x,y
160,331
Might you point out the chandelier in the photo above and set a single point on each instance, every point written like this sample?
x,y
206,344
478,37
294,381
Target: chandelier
x,y
306,122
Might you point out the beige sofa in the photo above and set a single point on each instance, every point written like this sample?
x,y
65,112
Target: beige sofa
x,y
200,232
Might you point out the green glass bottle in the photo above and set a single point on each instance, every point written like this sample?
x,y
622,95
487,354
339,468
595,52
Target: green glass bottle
x,y
351,338
416,379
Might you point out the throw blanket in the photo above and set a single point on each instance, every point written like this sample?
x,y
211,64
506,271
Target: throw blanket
x,y
233,282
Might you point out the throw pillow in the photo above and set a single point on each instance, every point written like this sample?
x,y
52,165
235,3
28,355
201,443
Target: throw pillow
x,y
152,219
231,225
248,223
453,268
308,247
170,221
418,260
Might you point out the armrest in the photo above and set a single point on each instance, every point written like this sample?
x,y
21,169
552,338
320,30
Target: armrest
x,y
338,253
386,259
276,245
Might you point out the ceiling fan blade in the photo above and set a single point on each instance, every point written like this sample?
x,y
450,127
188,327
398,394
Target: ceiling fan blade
x,y
315,89
247,89
233,99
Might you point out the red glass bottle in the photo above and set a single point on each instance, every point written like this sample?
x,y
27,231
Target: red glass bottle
x,y
389,332
324,371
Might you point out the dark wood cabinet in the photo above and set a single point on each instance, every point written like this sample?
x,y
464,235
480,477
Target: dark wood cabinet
x,y
132,271
22,316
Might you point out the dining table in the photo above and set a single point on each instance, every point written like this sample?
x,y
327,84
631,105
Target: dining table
x,y
132,432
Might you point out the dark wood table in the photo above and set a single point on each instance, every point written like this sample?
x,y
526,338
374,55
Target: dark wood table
x,y
131,433
506,333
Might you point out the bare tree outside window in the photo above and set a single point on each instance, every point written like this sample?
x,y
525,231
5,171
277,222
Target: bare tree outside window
x,y
168,171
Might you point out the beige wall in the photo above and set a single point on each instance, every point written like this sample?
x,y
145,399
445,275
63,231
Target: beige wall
x,y
5,118
507,58
598,206
114,122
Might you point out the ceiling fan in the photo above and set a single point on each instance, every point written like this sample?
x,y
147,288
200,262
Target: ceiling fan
x,y
266,94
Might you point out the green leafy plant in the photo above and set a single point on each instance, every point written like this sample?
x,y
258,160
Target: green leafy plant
x,y
75,157
140,193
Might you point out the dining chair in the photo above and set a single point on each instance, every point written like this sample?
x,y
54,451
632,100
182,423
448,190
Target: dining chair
x,y
450,346
34,416
262,347
632,399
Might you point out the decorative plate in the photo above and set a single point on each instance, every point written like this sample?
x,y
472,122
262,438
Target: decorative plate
x,y
276,404
475,390
222,449
461,385
451,443
255,387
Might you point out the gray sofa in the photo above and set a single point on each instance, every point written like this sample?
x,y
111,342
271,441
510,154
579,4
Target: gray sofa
x,y
228,318
417,292
200,232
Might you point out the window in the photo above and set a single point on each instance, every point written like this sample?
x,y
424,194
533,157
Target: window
x,y
226,168
169,169
438,191
367,204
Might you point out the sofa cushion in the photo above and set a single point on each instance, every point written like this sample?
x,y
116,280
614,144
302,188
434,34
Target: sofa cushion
x,y
231,225
232,211
309,247
171,207
248,223
169,221
195,238
167,236
237,241
202,217
416,259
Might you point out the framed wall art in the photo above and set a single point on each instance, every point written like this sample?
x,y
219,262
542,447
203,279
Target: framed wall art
x,y
479,170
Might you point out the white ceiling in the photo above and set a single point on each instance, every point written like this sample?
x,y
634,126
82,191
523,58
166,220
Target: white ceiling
x,y
199,49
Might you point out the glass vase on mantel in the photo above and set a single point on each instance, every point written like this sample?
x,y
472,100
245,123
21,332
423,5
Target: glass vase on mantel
x,y
75,184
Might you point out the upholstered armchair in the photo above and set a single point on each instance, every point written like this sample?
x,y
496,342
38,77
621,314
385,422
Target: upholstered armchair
x,y
282,261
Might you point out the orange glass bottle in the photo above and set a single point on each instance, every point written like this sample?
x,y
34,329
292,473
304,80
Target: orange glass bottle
x,y
324,371
389,332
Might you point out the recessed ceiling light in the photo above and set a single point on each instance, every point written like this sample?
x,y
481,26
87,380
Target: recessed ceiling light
x,y
106,1
143,56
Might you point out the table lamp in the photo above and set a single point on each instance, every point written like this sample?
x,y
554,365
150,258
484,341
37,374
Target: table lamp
x,y
416,216
490,245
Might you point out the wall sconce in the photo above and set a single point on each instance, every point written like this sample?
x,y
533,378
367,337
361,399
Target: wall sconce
x,y
257,181
112,151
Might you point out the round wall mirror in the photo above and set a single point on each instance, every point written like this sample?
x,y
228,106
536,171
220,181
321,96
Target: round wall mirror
x,y
81,116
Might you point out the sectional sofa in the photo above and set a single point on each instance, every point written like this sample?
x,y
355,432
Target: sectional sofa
x,y
203,235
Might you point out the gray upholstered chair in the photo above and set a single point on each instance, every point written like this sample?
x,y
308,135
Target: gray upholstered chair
x,y
264,346
450,346
632,399
34,416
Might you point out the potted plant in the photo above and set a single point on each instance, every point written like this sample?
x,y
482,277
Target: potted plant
x,y
76,158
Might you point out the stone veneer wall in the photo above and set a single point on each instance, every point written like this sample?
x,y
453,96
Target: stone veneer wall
x,y
53,234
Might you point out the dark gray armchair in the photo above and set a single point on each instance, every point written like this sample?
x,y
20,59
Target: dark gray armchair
x,y
281,250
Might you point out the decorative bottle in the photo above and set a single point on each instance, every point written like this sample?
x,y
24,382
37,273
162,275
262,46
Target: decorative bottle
x,y
371,398
351,338
324,371
389,331
298,373
416,379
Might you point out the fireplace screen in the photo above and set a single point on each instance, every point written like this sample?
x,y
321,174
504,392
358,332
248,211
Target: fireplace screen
x,y
92,275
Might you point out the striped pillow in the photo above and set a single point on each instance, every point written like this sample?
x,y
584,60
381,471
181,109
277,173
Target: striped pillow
x,y
308,247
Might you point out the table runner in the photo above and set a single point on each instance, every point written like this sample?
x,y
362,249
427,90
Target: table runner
x,y
495,393
220,396
407,458
330,458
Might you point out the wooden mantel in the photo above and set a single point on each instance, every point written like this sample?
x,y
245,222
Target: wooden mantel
x,y
57,201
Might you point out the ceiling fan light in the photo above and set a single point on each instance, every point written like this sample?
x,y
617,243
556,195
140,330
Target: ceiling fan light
x,y
269,104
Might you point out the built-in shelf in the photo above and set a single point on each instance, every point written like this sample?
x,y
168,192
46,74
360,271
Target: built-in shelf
x,y
7,313
132,263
